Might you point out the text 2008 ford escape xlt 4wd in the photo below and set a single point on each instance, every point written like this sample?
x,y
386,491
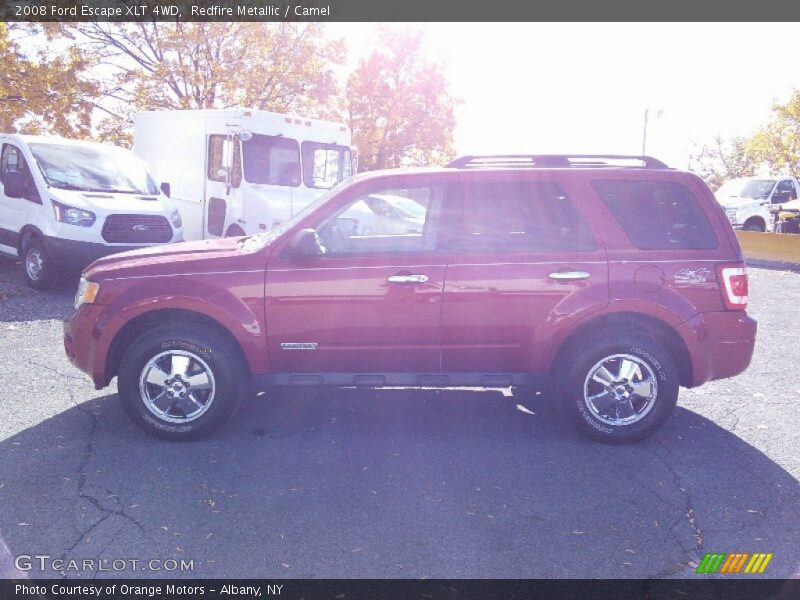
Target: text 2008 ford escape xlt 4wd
x,y
614,279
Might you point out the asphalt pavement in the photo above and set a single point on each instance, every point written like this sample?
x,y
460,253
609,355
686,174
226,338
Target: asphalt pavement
x,y
394,482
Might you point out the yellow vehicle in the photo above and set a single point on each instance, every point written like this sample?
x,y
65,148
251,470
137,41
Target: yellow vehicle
x,y
786,217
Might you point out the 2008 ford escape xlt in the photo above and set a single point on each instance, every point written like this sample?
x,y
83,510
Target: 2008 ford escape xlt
x,y
615,280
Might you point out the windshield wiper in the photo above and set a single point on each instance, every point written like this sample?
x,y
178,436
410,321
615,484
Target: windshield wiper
x,y
113,191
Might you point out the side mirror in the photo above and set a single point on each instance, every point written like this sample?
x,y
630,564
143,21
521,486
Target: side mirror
x,y
306,242
15,184
166,189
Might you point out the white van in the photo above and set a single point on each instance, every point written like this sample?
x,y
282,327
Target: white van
x,y
238,171
65,203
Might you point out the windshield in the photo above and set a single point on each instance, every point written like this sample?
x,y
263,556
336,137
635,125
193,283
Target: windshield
x,y
273,160
325,165
260,240
92,168
747,188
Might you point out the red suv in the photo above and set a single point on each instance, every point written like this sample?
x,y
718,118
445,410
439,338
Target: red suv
x,y
615,280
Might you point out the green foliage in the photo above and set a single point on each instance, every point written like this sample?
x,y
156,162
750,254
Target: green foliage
x,y
400,110
43,91
721,161
777,145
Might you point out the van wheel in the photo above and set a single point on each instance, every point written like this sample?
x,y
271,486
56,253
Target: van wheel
x,y
754,226
619,388
181,382
36,266
234,231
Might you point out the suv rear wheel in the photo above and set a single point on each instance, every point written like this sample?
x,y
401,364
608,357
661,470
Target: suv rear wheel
x,y
620,388
181,382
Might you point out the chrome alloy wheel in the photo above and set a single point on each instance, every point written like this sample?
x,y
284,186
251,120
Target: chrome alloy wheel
x,y
34,264
177,386
620,389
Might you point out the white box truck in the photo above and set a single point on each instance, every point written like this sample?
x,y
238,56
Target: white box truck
x,y
239,171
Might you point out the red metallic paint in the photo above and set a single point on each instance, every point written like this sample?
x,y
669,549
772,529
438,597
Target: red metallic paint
x,y
497,313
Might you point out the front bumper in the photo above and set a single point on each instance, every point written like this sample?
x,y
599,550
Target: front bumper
x,y
720,344
81,341
78,255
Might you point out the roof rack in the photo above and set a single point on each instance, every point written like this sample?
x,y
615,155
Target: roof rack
x,y
532,161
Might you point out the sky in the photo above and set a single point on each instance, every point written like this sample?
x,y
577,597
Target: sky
x,y
584,88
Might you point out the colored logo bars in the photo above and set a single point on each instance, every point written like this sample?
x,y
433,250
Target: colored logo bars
x,y
734,562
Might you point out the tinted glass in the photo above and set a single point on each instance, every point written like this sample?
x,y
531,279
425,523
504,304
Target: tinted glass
x,y
658,215
273,160
518,216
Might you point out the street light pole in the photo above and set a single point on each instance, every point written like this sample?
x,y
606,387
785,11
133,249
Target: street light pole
x,y
659,112
644,134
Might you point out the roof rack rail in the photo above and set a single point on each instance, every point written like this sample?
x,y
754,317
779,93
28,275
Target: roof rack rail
x,y
532,161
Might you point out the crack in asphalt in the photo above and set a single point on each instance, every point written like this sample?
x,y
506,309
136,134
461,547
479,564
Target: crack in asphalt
x,y
56,371
83,494
689,514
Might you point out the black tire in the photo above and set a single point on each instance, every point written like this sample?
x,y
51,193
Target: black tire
x,y
202,345
234,231
754,226
635,348
37,266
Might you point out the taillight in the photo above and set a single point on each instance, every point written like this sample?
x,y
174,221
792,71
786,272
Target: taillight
x,y
733,283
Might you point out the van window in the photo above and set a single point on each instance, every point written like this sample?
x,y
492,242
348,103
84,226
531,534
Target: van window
x,y
273,160
658,215
216,160
12,159
325,165
520,217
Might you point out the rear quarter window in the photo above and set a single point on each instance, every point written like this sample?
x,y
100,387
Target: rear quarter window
x,y
658,215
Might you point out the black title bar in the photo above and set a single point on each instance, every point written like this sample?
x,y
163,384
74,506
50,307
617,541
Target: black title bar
x,y
395,10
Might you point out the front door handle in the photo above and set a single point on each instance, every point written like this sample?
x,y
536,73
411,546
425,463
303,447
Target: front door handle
x,y
407,278
568,275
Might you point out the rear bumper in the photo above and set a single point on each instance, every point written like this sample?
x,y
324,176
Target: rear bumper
x,y
720,344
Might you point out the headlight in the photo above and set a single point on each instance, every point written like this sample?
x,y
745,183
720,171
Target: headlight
x,y
175,217
731,214
87,292
73,216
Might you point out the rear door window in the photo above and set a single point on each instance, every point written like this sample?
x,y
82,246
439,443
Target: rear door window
x,y
509,217
658,215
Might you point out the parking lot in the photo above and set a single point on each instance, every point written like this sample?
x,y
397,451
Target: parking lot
x,y
397,483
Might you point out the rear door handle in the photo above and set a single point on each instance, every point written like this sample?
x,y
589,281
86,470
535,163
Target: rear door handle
x,y
407,278
568,275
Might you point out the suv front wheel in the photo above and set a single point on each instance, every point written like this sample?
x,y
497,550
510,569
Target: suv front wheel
x,y
620,388
181,381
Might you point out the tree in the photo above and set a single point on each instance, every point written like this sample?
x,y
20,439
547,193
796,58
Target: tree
x,y
42,92
400,110
285,67
777,145
723,160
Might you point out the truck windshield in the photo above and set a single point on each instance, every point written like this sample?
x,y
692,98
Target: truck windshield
x,y
746,188
271,159
92,168
325,165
